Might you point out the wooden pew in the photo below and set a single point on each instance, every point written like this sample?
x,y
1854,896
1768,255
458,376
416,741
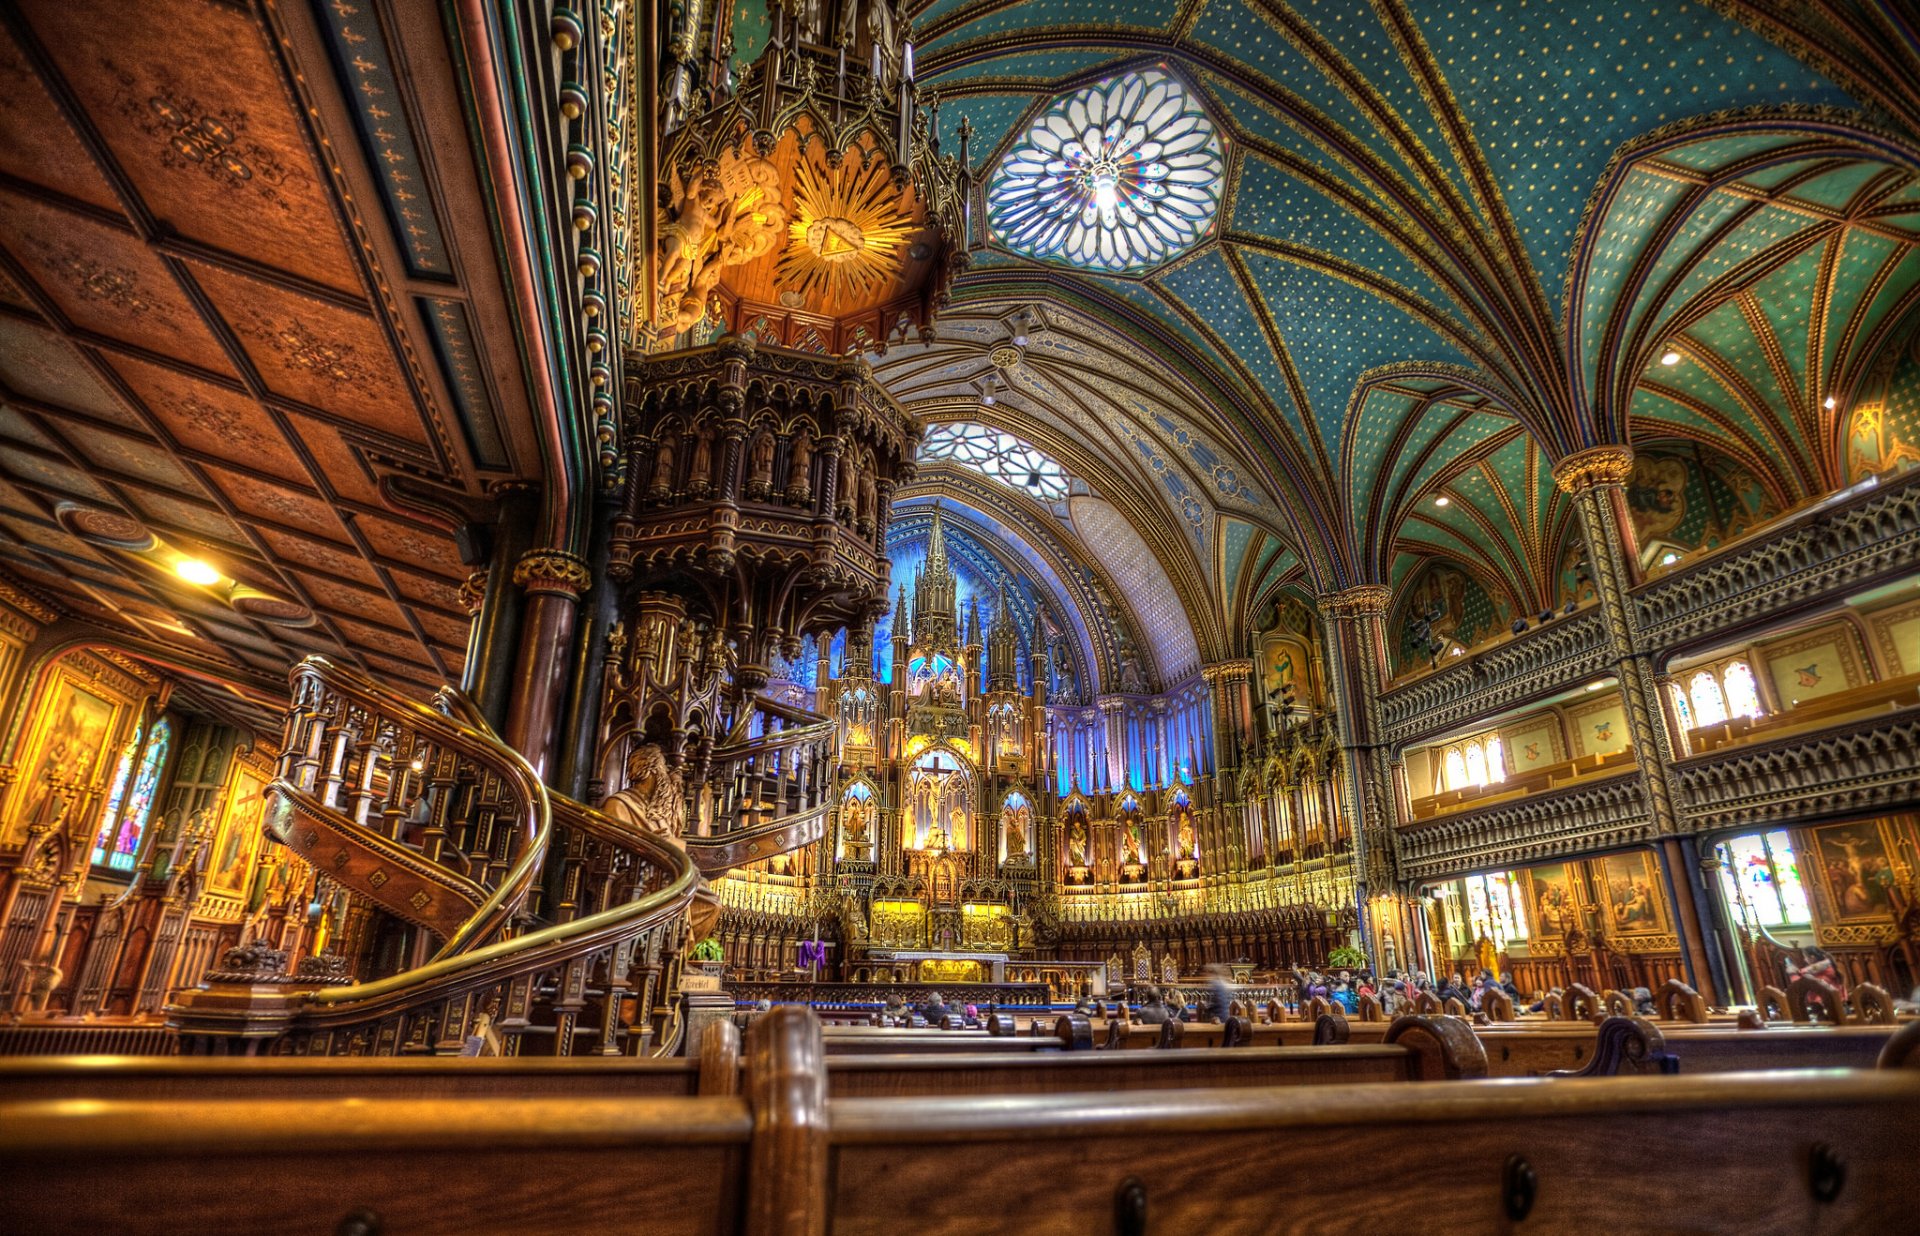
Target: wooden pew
x,y
1828,1151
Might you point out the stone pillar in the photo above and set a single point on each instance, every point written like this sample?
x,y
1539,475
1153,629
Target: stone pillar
x,y
1356,635
554,581
1596,479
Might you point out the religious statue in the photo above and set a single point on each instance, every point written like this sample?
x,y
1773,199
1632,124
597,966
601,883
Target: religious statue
x,y
957,826
865,517
663,467
1016,831
853,828
800,466
723,215
686,229
700,472
654,801
760,476
845,494
1077,842
1185,836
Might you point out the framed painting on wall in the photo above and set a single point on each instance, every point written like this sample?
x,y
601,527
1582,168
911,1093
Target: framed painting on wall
x,y
66,742
1856,871
1636,902
1554,909
242,817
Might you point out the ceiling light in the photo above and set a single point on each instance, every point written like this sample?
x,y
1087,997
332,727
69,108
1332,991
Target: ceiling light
x,y
1669,559
1669,357
1829,404
1020,341
987,399
195,571
1442,500
1596,686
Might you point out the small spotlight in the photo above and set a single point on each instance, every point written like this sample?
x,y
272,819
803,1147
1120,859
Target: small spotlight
x,y
1830,403
1669,357
195,571
987,399
1442,500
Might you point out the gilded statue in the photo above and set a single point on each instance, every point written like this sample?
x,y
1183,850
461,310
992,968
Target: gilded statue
x,y
724,215
655,801
1077,842
1016,832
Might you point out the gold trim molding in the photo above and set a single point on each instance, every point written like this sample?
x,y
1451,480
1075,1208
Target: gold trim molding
x,y
1597,465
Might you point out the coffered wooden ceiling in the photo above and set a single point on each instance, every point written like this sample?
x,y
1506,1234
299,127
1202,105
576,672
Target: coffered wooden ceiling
x,y
246,277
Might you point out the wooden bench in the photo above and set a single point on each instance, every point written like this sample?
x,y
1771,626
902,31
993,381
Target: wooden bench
x,y
1828,1151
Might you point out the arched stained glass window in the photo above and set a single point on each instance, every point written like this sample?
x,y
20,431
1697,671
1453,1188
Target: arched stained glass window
x,y
1743,697
1476,764
1496,759
1709,708
999,455
108,817
1117,176
1681,709
1456,770
139,807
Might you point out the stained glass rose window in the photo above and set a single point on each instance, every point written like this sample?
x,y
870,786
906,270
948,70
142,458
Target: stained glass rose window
x,y
1117,176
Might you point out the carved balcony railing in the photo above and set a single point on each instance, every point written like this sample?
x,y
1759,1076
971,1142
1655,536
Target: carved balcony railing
x,y
562,927
1817,557
1596,814
1867,764
772,790
1547,659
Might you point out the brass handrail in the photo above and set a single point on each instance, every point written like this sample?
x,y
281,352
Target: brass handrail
x,y
507,897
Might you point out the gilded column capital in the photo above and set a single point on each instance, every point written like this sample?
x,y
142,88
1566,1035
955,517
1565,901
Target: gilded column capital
x,y
1597,465
553,571
1236,670
1359,601
473,592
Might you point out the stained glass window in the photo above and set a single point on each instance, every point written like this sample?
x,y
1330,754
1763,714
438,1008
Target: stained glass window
x,y
1681,708
1762,880
1709,707
1495,908
1743,698
125,845
111,815
1456,770
1476,764
1117,176
1496,759
999,455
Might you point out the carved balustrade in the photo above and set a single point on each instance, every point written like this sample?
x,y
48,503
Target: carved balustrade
x,y
1531,666
1601,813
1870,764
1814,558
773,789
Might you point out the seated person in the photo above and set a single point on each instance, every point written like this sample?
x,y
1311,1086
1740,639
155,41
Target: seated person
x,y
1150,1011
894,1013
935,1010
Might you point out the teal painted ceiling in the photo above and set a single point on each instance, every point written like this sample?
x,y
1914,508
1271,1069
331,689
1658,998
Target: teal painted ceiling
x,y
1456,241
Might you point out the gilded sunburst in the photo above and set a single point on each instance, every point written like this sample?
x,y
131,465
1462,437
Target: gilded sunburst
x,y
848,236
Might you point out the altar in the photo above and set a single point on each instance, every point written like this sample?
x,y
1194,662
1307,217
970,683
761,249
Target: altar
x,y
944,967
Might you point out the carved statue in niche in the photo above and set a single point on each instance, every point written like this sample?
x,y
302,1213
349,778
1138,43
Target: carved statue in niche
x,y
865,516
1185,835
760,473
1077,842
654,801
1016,825
662,483
800,466
700,471
853,828
845,495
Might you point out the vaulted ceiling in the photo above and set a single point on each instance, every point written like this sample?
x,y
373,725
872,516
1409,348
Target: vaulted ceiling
x,y
1455,244
250,315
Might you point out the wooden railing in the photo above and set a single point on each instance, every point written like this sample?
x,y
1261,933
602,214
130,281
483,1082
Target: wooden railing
x,y
773,789
412,808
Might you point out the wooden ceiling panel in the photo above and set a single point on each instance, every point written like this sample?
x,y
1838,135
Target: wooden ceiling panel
x,y
426,548
36,365
125,456
210,420
173,515
365,637
319,354
341,561
36,144
276,502
363,603
429,590
106,282
195,114
336,462
54,479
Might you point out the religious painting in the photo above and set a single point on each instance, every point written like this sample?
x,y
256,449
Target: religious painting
x,y
1600,728
1635,905
1284,675
1531,746
1453,608
65,745
241,827
1554,910
1857,873
1657,496
1897,633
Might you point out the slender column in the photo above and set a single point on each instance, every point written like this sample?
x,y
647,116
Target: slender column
x,y
487,674
554,581
1596,479
1356,630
